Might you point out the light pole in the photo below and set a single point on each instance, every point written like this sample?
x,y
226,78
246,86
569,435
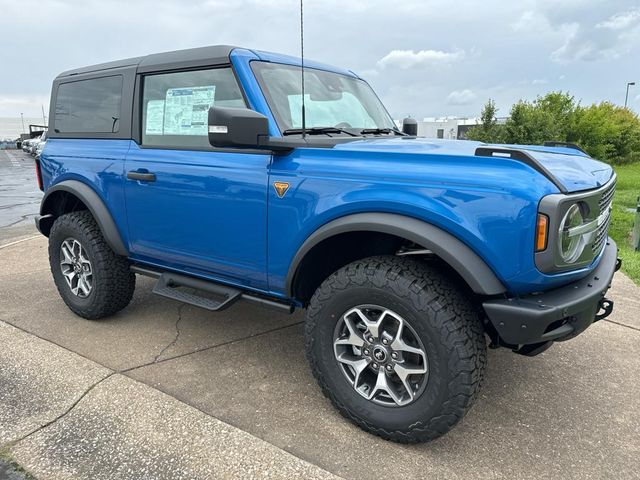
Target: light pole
x,y
22,118
626,97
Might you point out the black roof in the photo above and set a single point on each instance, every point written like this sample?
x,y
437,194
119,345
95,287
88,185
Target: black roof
x,y
192,57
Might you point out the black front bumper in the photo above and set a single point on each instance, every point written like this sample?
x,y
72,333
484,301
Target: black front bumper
x,y
557,314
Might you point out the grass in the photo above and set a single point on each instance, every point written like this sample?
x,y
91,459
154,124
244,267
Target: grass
x,y
625,202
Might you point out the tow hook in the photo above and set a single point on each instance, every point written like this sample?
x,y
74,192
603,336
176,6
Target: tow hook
x,y
607,306
618,263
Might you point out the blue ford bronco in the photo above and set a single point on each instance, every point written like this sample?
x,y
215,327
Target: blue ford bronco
x,y
411,256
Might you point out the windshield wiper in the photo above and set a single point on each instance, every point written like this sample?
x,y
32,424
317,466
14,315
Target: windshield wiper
x,y
378,131
317,131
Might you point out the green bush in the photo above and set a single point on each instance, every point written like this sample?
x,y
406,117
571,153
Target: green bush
x,y
606,131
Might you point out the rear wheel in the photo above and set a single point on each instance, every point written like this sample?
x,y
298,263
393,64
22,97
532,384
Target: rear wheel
x,y
92,280
396,346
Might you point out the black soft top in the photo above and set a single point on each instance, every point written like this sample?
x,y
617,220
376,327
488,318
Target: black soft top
x,y
191,57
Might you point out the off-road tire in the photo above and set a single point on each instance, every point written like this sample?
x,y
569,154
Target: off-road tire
x,y
113,281
438,310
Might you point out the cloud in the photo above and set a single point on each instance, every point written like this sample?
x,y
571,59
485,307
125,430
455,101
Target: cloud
x,y
586,44
406,59
30,105
369,73
529,21
461,97
591,40
621,21
539,81
408,53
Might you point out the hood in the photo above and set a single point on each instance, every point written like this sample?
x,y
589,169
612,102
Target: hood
x,y
574,169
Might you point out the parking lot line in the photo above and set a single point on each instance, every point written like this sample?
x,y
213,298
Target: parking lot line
x,y
14,161
19,241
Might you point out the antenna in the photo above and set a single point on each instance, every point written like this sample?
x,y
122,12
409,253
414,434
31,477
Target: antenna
x,y
304,122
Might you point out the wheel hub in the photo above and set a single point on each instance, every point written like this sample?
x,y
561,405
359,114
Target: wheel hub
x,y
380,355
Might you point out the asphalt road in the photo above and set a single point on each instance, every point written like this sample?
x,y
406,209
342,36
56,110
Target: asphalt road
x,y
19,194
164,390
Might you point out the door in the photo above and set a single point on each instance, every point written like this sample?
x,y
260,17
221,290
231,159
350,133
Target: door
x,y
191,207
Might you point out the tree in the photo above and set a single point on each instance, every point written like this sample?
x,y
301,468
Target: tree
x,y
607,132
546,118
487,130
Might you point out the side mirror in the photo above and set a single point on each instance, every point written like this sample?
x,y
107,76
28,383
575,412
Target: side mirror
x,y
237,127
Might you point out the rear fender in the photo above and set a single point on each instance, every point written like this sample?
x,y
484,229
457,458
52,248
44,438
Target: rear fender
x,y
100,212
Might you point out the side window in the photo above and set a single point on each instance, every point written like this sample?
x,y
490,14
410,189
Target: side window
x,y
175,106
89,106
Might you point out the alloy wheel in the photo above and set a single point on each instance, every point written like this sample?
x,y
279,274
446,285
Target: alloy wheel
x,y
381,355
76,267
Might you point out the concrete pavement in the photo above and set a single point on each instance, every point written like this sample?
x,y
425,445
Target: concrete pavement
x,y
571,412
64,416
40,382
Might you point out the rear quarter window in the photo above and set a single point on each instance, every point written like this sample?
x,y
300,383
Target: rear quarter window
x,y
89,106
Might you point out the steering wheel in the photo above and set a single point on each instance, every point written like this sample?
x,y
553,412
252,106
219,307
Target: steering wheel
x,y
343,125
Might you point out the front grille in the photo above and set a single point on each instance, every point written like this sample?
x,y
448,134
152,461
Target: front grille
x,y
601,236
604,205
606,198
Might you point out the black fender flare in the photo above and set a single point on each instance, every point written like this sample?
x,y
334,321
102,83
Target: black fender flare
x,y
95,205
469,265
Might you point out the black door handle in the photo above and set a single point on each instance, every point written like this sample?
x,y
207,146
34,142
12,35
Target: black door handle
x,y
142,176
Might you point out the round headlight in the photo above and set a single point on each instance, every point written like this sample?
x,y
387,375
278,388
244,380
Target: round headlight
x,y
571,247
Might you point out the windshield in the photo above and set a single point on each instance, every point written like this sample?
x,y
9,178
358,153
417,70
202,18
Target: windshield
x,y
331,99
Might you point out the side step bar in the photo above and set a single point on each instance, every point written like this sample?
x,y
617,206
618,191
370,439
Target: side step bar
x,y
169,283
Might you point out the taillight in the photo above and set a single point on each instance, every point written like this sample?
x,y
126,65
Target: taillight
x,y
39,175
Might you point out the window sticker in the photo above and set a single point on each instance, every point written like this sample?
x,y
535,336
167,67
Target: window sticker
x,y
186,110
155,117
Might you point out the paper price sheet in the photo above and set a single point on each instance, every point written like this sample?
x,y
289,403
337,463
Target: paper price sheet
x,y
184,111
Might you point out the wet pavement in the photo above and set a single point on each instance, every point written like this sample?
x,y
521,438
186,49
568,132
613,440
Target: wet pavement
x,y
19,194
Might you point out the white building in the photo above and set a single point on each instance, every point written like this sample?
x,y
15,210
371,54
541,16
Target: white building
x,y
444,127
448,127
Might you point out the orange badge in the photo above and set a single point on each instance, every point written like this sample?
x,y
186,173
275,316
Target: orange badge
x,y
281,188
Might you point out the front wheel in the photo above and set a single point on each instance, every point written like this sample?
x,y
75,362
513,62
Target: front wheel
x,y
396,346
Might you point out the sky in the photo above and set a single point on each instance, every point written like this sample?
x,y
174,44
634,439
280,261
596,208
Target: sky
x,y
426,58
